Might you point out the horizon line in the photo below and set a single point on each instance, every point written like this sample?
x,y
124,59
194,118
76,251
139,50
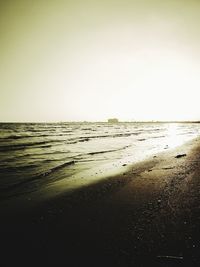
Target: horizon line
x,y
106,121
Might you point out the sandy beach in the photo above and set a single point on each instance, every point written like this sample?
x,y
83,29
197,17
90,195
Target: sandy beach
x,y
149,216
100,133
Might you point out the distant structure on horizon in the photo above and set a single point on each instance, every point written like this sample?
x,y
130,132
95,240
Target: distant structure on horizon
x,y
113,120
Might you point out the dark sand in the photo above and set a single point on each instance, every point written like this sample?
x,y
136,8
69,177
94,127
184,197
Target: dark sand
x,y
149,216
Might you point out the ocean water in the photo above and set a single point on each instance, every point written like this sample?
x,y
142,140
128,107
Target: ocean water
x,y
38,155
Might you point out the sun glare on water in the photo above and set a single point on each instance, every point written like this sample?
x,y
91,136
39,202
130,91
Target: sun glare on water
x,y
174,138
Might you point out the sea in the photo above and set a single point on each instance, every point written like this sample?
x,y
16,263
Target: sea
x,y
64,156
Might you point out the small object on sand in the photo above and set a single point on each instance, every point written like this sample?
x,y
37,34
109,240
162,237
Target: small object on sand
x,y
170,257
150,170
124,165
180,156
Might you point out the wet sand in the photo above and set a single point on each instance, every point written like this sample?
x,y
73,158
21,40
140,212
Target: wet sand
x,y
149,216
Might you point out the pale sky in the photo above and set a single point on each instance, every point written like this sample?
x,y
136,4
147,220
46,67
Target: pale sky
x,y
93,60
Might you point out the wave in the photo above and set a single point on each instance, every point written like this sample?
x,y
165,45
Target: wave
x,y
19,137
161,136
42,144
88,138
18,168
13,137
102,152
23,146
32,156
61,166
19,184
45,153
107,151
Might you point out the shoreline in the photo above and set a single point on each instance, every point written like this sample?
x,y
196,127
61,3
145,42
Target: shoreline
x,y
149,214
114,177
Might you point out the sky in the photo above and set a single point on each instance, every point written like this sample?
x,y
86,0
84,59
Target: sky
x,y
89,60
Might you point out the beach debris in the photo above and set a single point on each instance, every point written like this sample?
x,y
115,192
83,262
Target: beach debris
x,y
180,156
170,257
124,165
149,170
